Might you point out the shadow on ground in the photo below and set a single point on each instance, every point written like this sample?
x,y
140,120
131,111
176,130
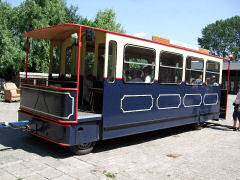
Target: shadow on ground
x,y
16,139
218,126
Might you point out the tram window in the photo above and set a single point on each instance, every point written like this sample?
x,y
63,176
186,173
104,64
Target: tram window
x,y
139,64
89,61
56,60
112,58
68,62
171,68
194,71
212,73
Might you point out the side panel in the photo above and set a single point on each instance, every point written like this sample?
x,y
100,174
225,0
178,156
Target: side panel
x,y
62,134
59,105
171,105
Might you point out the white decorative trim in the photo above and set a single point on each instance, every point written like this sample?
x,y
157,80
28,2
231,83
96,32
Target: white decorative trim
x,y
210,94
137,110
169,95
67,93
192,95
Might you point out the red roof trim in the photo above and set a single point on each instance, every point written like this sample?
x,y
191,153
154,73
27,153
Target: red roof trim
x,y
129,36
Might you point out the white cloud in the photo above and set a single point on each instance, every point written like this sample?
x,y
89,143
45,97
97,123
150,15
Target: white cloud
x,y
140,34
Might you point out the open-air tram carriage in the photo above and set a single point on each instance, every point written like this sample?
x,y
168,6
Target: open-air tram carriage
x,y
104,85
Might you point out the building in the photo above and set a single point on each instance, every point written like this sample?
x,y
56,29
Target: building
x,y
234,76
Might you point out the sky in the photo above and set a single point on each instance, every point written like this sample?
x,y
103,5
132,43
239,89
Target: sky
x,y
179,20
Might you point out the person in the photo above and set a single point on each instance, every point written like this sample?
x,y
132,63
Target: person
x,y
208,81
136,76
236,112
213,80
198,81
165,75
147,74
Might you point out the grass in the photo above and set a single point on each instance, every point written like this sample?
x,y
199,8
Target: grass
x,y
109,175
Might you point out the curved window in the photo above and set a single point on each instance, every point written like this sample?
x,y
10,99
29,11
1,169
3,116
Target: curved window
x,y
139,64
171,68
212,73
194,71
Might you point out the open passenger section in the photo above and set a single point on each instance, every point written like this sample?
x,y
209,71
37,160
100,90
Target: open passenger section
x,y
73,87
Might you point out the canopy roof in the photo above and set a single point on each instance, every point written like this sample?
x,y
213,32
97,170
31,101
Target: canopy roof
x,y
62,31
58,32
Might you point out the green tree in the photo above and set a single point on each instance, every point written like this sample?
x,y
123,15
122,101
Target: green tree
x,y
222,37
34,14
107,20
10,52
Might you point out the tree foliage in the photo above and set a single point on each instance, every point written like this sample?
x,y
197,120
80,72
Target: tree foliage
x,y
34,14
222,37
107,20
11,55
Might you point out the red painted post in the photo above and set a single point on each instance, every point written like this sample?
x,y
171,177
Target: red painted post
x,y
27,46
227,88
78,65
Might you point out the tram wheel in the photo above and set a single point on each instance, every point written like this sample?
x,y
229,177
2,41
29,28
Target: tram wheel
x,y
197,126
82,149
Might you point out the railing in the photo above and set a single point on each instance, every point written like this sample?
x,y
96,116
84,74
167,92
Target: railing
x,y
55,103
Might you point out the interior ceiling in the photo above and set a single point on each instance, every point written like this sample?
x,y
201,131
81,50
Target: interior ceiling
x,y
57,33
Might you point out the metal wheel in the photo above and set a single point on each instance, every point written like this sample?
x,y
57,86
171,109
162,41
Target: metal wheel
x,y
197,126
82,149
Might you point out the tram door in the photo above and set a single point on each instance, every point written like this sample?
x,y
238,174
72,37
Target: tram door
x,y
223,104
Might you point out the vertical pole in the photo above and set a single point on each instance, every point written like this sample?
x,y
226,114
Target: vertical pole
x,y
227,88
26,67
78,65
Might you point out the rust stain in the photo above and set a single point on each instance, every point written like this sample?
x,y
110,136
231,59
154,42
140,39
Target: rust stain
x,y
174,155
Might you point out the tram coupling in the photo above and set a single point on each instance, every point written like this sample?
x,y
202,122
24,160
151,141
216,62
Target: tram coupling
x,y
23,125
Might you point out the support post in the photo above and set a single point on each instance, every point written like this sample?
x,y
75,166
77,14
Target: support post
x,y
78,66
27,51
227,88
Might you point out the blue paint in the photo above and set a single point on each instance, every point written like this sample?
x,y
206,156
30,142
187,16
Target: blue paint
x,y
116,123
131,103
190,100
71,135
168,101
59,105
133,108
210,99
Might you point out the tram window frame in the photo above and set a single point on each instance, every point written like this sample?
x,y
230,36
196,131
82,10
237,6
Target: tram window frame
x,y
68,61
212,72
56,60
171,67
153,65
188,69
112,77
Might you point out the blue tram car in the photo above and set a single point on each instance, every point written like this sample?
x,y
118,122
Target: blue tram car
x,y
103,85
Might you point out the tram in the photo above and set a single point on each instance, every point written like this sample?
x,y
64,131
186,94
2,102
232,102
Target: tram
x,y
102,85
